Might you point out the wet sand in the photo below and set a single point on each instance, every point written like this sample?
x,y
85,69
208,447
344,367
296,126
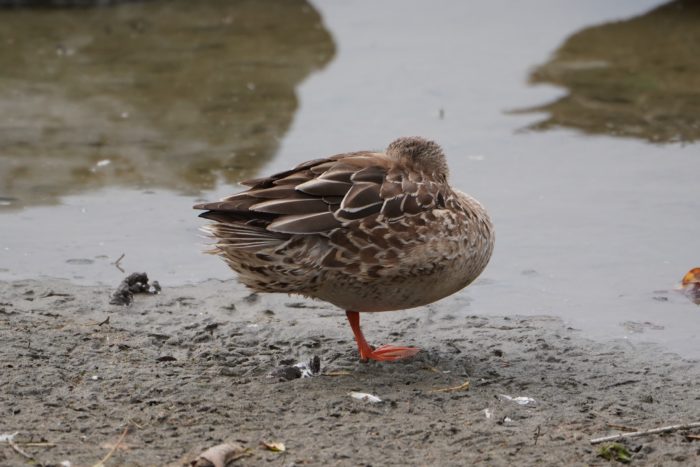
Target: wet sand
x,y
189,368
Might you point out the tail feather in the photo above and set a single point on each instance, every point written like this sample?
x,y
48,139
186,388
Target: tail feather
x,y
244,236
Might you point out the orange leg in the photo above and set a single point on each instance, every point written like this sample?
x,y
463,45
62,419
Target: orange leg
x,y
385,352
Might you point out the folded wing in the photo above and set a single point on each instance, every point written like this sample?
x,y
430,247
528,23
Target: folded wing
x,y
320,196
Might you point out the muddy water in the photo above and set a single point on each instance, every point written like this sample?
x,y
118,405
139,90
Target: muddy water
x,y
158,95
579,141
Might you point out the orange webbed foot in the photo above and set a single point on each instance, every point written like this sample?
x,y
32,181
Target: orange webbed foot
x,y
391,353
381,354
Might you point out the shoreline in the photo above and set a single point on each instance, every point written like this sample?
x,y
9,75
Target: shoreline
x,y
188,369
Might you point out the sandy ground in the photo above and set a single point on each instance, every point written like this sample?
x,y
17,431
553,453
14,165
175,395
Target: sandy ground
x,y
189,368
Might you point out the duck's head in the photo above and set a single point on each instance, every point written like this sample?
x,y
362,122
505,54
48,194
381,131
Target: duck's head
x,y
420,153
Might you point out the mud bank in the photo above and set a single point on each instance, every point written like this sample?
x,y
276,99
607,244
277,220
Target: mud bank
x,y
189,368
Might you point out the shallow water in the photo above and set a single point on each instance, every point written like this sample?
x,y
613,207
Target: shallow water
x,y
111,136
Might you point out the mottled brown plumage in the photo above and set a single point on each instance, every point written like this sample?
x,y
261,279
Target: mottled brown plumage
x,y
366,231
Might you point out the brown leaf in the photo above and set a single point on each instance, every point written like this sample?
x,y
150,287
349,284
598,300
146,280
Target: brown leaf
x,y
221,455
691,277
690,285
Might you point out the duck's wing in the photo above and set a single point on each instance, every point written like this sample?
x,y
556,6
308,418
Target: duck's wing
x,y
319,196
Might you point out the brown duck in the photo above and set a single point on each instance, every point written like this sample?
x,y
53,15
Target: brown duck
x,y
365,231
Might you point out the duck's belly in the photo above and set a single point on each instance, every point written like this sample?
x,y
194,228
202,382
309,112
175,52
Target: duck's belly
x,y
392,293
455,254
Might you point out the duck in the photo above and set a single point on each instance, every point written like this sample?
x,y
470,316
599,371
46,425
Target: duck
x,y
690,285
367,231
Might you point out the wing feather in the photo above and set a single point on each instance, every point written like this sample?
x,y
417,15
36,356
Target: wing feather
x,y
324,187
318,197
305,223
291,206
360,196
374,174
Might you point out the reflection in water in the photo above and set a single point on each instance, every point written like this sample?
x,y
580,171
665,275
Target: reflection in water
x,y
173,94
638,78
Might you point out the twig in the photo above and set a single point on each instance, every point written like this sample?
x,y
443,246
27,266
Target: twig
x,y
20,451
622,427
462,387
337,373
38,445
538,433
131,421
653,431
114,448
119,260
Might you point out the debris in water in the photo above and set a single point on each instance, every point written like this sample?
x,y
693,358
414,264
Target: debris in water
x,y
119,260
363,396
133,284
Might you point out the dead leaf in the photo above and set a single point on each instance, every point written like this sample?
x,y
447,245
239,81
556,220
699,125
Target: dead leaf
x,y
690,285
692,276
221,455
274,447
